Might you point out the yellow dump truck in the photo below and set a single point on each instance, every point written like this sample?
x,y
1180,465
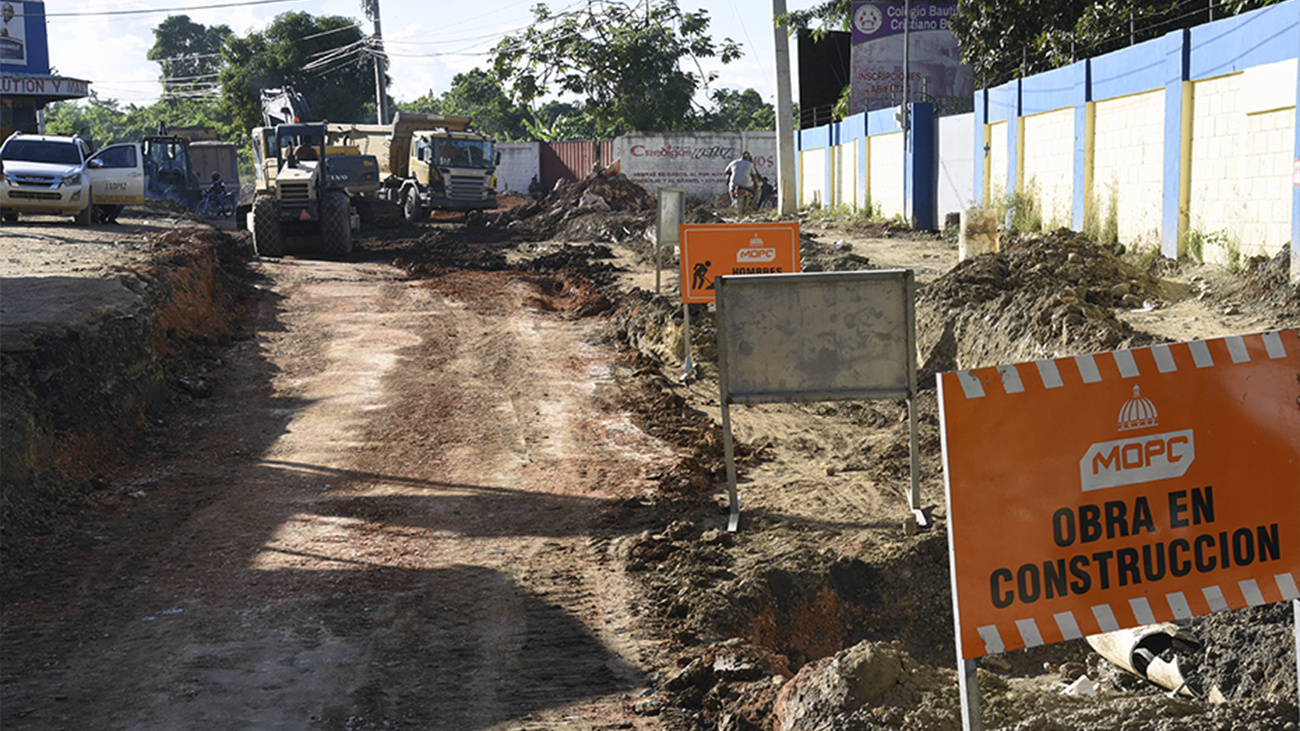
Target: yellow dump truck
x,y
426,162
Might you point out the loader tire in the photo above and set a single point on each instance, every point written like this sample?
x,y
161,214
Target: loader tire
x,y
268,239
335,224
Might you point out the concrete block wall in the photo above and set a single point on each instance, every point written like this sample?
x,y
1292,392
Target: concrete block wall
x,y
1128,165
886,174
1049,164
845,170
1241,162
954,166
813,167
1191,133
998,155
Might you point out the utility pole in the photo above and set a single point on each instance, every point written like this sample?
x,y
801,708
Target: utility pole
x,y
785,167
904,118
377,51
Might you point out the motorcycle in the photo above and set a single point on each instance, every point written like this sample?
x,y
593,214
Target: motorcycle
x,y
216,202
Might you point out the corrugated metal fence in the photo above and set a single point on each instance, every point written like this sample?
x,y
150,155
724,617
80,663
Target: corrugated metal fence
x,y
572,160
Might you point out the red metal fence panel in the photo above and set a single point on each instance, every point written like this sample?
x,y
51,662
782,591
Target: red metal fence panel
x,y
572,160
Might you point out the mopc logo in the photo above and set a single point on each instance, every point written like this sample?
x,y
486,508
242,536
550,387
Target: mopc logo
x,y
755,253
1136,459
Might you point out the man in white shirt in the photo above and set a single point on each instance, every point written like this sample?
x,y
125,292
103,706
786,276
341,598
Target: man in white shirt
x,y
742,182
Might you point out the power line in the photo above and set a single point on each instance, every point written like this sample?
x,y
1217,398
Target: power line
x,y
159,10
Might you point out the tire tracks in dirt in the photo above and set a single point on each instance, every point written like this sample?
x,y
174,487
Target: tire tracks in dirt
x,y
397,512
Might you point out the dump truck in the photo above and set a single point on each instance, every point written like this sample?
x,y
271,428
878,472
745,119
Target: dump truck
x,y
427,162
208,154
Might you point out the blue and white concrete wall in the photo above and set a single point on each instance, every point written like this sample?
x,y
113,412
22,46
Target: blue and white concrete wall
x,y
1191,136
954,164
868,160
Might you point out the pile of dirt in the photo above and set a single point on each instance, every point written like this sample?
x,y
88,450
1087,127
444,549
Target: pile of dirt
x,y
1263,282
817,256
1042,297
618,209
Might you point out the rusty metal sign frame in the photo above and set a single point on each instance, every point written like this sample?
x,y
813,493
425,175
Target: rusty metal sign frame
x,y
824,336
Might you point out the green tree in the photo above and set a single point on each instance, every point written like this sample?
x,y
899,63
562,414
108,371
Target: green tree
x,y
476,94
738,111
103,121
557,121
97,119
625,61
1006,39
325,58
189,54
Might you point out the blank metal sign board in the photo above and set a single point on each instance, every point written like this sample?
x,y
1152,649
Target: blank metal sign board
x,y
816,337
822,336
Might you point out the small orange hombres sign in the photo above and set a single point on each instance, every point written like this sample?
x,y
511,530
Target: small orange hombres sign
x,y
1121,489
720,249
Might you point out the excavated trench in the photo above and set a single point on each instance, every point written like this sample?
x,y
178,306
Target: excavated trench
x,y
864,623
88,379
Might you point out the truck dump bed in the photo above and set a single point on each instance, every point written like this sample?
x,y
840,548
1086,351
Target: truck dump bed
x,y
391,143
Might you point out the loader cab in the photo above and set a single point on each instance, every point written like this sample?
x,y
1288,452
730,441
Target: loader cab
x,y
167,169
298,143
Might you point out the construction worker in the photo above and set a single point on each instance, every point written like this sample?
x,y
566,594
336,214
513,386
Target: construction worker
x,y
742,182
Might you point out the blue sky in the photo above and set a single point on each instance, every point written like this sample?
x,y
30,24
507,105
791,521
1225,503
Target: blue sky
x,y
428,42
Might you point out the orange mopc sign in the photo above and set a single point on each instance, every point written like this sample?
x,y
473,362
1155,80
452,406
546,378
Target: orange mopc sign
x,y
1099,492
720,249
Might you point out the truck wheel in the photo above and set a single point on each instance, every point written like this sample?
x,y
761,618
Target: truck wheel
x,y
412,208
268,240
335,224
83,216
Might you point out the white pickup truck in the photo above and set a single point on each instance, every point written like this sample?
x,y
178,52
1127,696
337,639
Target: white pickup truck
x,y
51,175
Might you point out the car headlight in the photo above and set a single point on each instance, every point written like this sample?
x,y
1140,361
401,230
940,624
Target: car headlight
x,y
70,180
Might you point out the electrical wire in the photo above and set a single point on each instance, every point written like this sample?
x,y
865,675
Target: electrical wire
x,y
193,8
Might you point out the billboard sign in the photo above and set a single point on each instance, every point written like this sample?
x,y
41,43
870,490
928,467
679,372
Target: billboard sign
x,y
935,71
694,162
23,43
1141,486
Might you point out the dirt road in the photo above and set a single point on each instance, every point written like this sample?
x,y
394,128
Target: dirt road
x,y
391,513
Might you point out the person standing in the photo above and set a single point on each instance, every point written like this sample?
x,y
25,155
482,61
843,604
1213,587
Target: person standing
x,y
742,182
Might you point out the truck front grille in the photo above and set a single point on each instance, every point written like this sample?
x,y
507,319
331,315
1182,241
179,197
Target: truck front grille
x,y
465,187
33,195
295,193
34,181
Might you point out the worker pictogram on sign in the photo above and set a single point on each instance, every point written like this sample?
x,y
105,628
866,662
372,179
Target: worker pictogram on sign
x,y
710,251
1141,486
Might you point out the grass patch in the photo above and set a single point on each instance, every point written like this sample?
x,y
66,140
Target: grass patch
x,y
1021,210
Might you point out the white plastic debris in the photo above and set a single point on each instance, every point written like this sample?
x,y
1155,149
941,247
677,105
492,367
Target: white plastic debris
x,y
1082,685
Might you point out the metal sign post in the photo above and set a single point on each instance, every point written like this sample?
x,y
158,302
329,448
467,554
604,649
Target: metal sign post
x,y
671,214
687,366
